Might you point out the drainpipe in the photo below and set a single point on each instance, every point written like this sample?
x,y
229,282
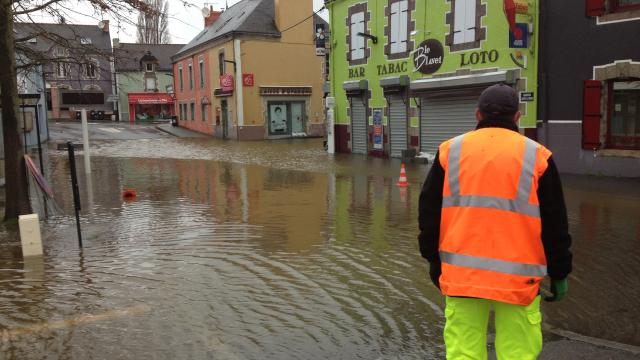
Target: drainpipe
x,y
237,54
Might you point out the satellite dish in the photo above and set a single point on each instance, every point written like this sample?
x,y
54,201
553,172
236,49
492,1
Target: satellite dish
x,y
206,11
101,25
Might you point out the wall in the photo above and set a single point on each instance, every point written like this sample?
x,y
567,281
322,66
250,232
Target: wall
x,y
568,34
195,95
429,23
133,82
281,63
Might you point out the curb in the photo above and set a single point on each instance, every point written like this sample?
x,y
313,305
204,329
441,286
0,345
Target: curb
x,y
633,349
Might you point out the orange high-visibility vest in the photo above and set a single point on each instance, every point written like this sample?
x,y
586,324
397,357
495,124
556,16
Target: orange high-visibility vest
x,y
490,231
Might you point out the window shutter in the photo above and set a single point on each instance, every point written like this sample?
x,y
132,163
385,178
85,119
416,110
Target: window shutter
x,y
595,7
591,115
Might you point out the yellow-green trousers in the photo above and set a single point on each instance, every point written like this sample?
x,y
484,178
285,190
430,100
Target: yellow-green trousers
x,y
518,330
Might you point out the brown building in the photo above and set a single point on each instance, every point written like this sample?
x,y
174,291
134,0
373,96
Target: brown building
x,y
253,73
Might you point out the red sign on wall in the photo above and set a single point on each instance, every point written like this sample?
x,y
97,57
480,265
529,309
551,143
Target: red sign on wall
x,y
247,80
226,83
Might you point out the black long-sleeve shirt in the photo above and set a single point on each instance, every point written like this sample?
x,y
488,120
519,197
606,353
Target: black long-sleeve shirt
x,y
553,213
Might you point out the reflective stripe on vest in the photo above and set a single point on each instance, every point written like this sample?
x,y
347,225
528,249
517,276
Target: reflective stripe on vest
x,y
483,263
520,205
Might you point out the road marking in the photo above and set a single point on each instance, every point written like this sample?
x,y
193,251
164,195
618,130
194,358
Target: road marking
x,y
137,310
111,130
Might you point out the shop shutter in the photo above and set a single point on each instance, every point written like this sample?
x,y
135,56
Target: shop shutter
x,y
591,114
359,124
397,125
442,118
595,7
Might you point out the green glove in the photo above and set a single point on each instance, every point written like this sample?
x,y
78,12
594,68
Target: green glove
x,y
559,289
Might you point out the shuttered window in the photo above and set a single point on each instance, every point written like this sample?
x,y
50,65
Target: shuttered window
x,y
591,115
399,26
464,21
357,42
595,7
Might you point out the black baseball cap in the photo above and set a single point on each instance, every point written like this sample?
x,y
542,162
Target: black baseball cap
x,y
499,99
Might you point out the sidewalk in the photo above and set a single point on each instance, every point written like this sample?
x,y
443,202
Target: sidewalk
x,y
182,132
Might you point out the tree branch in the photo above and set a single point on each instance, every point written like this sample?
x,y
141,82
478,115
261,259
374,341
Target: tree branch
x,y
37,8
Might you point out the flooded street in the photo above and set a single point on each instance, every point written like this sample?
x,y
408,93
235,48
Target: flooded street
x,y
271,250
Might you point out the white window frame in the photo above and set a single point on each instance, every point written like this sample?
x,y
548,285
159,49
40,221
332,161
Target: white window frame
x,y
399,24
149,67
181,76
203,80
358,43
85,69
464,20
62,70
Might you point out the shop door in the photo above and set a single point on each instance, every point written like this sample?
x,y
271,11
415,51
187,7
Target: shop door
x,y
444,116
279,118
359,126
297,119
224,109
397,125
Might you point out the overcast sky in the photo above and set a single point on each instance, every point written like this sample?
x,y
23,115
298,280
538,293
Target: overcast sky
x,y
185,22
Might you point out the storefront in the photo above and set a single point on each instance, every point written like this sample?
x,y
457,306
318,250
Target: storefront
x,y
150,106
286,110
424,70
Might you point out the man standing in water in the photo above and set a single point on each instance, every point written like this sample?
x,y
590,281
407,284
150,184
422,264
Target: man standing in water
x,y
493,224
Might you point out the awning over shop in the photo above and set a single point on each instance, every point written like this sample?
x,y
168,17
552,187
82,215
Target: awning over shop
x,y
506,76
150,98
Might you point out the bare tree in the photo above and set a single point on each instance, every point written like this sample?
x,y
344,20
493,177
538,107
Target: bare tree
x,y
12,11
153,23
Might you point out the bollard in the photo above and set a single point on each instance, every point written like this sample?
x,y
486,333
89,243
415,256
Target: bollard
x,y
30,235
85,143
74,188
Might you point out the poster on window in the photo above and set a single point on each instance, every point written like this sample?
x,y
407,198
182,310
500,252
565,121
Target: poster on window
x,y
377,129
320,40
278,119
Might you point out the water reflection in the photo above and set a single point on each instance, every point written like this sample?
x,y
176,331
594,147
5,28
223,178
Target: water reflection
x,y
227,260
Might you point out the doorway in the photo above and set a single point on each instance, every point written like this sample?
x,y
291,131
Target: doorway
x,y
286,118
224,109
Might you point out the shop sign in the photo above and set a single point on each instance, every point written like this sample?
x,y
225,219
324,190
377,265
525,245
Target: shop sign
x,y
285,91
429,56
356,72
226,83
523,33
522,8
377,129
390,69
527,96
479,57
247,80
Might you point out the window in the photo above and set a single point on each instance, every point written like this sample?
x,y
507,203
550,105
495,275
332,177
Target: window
x,y
221,62
398,29
149,67
85,41
203,108
464,21
150,83
61,70
357,42
624,115
399,25
190,76
465,24
193,111
624,5
201,70
90,70
181,78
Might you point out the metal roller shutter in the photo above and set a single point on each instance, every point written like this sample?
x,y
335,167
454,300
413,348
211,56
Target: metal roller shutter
x,y
359,124
397,126
442,118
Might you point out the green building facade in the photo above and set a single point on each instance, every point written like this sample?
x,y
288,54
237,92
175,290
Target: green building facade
x,y
406,74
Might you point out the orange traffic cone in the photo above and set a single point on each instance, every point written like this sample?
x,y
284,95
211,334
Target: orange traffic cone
x,y
402,182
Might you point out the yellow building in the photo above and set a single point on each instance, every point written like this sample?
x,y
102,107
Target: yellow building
x,y
254,73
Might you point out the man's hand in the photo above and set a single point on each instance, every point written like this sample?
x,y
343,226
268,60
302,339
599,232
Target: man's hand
x,y
559,289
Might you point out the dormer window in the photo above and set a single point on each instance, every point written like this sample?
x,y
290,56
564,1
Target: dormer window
x,y
85,41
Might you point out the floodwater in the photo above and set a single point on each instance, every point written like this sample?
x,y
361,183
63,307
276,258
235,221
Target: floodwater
x,y
270,250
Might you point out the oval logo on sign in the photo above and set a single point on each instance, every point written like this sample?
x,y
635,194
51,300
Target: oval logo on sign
x,y
429,56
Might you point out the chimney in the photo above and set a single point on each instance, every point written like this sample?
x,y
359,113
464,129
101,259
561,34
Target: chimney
x,y
104,25
213,16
